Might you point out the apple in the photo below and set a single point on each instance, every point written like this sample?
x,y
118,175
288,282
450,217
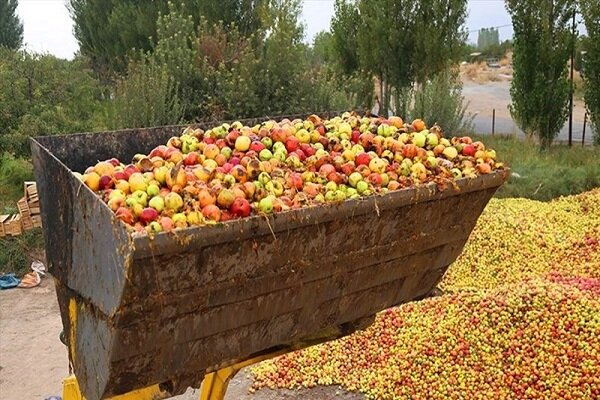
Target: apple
x,y
180,220
153,190
158,203
484,168
104,168
243,143
148,215
211,212
266,205
140,197
137,182
450,153
176,176
154,227
225,198
265,155
241,208
173,202
116,203
377,165
362,159
92,180
456,172
362,187
419,139
432,139
303,136
354,178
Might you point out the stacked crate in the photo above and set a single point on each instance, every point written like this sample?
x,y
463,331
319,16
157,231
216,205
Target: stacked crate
x,y
33,204
28,216
10,225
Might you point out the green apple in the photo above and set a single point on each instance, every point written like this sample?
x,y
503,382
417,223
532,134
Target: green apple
x,y
158,203
152,190
141,197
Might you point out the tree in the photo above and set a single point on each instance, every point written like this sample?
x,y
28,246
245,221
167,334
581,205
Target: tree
x,y
387,44
344,31
46,96
111,32
488,37
11,27
439,37
542,45
590,9
406,41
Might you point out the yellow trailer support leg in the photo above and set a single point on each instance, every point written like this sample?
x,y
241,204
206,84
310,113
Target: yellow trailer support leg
x,y
214,385
71,392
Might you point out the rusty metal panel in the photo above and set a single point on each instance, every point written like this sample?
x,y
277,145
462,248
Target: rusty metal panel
x,y
170,308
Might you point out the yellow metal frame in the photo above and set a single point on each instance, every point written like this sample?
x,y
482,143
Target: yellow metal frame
x,y
214,385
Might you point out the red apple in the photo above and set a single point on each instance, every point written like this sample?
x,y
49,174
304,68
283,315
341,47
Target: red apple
x,y
120,175
106,182
148,215
257,146
240,207
469,150
192,158
362,159
130,170
409,151
326,169
292,144
211,212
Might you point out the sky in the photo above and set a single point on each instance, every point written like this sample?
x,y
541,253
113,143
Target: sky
x,y
49,28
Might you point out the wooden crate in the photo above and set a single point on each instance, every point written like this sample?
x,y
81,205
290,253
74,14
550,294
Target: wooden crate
x,y
25,213
37,221
3,218
11,225
31,196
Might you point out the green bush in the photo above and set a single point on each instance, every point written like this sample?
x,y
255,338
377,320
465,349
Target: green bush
x,y
46,96
146,97
13,172
440,101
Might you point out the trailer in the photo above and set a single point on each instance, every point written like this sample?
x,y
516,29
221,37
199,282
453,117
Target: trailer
x,y
146,317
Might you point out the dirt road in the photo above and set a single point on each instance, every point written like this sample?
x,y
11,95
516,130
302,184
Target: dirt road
x,y
33,361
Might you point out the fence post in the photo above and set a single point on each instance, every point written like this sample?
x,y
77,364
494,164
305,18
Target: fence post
x,y
583,136
493,121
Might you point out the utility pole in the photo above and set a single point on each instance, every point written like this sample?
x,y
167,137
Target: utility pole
x,y
572,85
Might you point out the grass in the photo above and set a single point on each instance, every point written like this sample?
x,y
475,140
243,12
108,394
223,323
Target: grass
x,y
19,251
13,172
559,171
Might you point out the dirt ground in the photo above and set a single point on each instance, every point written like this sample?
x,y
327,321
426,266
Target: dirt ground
x,y
33,361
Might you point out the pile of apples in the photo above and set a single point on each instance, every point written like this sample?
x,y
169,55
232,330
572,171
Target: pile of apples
x,y
519,318
234,171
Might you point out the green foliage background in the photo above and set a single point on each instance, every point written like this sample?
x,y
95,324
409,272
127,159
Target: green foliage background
x,y
11,27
